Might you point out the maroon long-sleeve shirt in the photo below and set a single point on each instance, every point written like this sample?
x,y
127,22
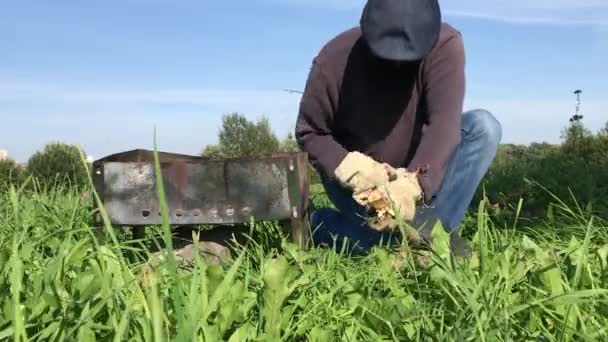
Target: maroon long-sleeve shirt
x,y
407,116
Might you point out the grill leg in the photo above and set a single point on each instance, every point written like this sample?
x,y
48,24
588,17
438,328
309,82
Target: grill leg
x,y
299,229
139,233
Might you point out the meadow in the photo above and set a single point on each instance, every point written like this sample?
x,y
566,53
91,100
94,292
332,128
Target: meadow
x,y
63,278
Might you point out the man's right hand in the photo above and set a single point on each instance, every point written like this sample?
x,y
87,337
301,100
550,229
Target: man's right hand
x,y
360,172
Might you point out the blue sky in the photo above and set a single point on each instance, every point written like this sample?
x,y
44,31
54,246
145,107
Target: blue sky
x,y
103,74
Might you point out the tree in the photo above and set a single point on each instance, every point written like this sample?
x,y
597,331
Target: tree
x,y
575,132
58,164
290,144
240,137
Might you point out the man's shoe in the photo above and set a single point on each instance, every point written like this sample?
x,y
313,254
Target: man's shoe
x,y
460,247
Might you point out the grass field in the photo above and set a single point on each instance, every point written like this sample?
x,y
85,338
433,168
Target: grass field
x,y
61,282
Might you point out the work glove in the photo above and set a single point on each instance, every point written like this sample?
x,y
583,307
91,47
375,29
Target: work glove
x,y
392,201
359,172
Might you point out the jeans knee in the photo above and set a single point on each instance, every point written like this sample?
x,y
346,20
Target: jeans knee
x,y
481,124
321,216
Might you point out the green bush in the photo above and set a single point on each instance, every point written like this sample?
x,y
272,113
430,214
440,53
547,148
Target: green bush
x,y
543,175
10,173
58,164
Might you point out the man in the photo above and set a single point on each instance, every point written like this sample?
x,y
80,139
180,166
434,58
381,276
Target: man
x,y
390,93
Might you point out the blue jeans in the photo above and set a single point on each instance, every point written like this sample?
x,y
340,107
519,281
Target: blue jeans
x,y
481,135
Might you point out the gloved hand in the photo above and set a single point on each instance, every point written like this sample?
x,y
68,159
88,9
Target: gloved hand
x,y
392,201
359,172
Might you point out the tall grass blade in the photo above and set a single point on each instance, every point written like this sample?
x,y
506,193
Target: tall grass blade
x,y
176,289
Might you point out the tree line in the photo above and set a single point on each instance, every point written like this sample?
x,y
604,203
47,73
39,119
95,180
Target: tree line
x,y
539,174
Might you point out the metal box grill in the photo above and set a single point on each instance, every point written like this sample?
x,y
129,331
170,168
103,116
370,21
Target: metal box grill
x,y
205,191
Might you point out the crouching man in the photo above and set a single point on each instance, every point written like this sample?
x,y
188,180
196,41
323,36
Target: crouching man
x,y
382,120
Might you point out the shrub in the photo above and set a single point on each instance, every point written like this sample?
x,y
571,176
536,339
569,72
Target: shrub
x,y
10,173
58,164
572,170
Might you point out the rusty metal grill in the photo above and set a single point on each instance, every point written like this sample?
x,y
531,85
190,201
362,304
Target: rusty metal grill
x,y
204,191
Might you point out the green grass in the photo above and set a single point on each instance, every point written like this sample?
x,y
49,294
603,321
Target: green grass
x,y
59,281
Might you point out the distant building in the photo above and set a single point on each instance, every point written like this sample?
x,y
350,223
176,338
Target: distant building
x,y
3,154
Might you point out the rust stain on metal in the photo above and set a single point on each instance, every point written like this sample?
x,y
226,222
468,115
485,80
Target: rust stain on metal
x,y
177,173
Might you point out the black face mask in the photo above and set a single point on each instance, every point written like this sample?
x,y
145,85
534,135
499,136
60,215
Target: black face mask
x,y
398,66
390,66
400,70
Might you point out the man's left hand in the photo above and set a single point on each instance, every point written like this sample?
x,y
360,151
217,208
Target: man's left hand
x,y
393,201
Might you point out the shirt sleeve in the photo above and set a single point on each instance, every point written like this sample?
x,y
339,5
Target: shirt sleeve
x,y
315,120
444,88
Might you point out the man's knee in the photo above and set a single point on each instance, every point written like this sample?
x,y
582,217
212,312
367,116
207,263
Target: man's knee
x,y
481,124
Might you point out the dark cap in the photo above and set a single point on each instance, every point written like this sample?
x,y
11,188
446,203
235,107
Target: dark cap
x,y
401,30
